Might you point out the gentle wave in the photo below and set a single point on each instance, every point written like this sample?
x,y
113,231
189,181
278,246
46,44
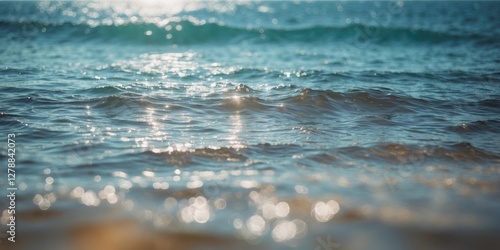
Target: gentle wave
x,y
328,101
243,97
389,153
407,154
182,157
186,32
383,153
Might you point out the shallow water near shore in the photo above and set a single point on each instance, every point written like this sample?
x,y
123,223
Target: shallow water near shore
x,y
243,124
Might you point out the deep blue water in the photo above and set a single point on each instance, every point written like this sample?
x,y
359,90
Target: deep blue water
x,y
244,124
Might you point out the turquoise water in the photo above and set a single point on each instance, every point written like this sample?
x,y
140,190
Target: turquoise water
x,y
244,124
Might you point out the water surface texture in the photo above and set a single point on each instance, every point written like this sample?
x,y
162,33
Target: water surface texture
x,y
251,125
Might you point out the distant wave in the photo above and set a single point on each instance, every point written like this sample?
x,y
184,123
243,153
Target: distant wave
x,y
186,32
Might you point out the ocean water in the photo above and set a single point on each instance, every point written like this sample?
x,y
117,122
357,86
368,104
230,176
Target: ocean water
x,y
251,124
